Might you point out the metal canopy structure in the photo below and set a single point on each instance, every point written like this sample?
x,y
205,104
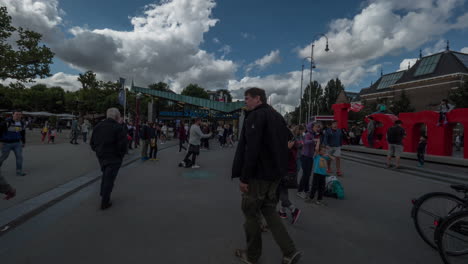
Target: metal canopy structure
x,y
200,102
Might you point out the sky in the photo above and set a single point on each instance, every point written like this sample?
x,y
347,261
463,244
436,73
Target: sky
x,y
236,44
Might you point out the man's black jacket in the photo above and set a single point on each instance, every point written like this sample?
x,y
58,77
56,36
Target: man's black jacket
x,y
262,152
109,141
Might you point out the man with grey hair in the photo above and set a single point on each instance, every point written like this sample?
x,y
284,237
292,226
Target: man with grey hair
x,y
109,141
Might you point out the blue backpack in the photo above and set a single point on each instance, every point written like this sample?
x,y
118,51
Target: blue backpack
x,y
334,188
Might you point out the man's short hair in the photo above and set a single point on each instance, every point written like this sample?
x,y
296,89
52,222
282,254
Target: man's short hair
x,y
254,91
16,111
334,121
113,113
398,122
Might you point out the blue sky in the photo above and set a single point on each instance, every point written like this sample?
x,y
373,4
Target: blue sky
x,y
225,44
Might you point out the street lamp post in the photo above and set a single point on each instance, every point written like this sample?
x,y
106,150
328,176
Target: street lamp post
x,y
310,76
300,96
137,126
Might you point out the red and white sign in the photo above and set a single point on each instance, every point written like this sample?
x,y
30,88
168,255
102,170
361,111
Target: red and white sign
x,y
356,107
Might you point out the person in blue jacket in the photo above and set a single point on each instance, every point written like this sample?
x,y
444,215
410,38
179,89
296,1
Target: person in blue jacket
x,y
13,138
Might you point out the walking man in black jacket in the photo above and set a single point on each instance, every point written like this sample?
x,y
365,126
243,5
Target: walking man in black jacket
x,y
260,163
109,141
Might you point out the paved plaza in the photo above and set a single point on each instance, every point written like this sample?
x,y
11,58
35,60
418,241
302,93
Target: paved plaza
x,y
166,214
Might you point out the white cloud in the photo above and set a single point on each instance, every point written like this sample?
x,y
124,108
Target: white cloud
x,y
267,60
439,46
225,50
164,44
68,82
464,50
216,40
382,28
404,64
247,35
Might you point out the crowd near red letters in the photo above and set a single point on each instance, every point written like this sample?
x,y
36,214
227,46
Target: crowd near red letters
x,y
439,138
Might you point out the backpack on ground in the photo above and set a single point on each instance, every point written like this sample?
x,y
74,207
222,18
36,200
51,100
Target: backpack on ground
x,y
333,188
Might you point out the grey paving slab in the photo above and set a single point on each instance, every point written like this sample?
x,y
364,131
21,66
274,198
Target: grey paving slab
x,y
49,166
166,214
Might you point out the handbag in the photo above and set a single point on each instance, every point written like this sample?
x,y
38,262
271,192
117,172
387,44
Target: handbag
x,y
194,149
290,181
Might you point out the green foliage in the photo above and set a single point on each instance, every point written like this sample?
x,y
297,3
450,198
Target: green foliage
x,y
28,60
332,90
195,91
225,92
460,96
403,105
160,86
88,80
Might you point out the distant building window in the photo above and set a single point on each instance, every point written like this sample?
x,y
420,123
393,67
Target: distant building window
x,y
389,79
427,65
463,58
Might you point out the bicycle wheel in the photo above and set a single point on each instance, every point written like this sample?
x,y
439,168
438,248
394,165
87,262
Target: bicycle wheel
x,y
452,239
430,209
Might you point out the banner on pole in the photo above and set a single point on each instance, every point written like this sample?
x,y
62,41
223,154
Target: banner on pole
x,y
356,107
122,93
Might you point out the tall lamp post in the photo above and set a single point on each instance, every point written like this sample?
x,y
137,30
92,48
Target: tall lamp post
x,y
300,96
311,67
137,118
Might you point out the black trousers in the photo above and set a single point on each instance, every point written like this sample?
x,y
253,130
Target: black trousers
x,y
421,158
153,152
181,145
318,183
194,157
307,164
109,173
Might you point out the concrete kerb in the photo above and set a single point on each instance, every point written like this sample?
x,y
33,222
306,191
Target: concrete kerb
x,y
19,213
415,171
412,156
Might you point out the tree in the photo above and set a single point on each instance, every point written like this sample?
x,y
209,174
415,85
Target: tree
x,y
27,60
332,90
225,92
460,96
160,86
403,105
195,91
316,90
88,80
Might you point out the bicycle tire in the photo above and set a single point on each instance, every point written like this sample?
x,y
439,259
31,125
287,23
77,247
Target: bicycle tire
x,y
415,213
457,224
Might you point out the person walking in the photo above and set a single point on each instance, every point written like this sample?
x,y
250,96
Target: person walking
x,y
370,131
422,150
260,163
194,142
74,131
395,136
85,130
458,142
109,141
220,131
310,147
44,131
6,188
444,108
283,189
163,133
13,138
333,140
145,139
52,135
182,137
153,142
